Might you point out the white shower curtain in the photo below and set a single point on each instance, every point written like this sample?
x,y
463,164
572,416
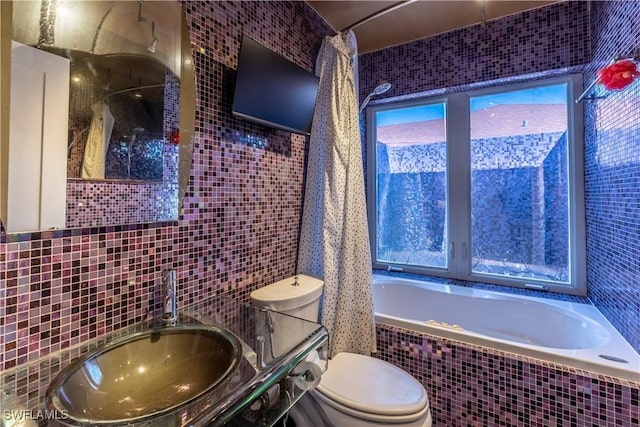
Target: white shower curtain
x,y
95,150
334,239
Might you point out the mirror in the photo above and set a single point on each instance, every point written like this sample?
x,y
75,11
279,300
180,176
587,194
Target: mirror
x,y
114,81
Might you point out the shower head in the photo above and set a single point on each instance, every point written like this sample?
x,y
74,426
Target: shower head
x,y
381,88
153,45
134,135
154,41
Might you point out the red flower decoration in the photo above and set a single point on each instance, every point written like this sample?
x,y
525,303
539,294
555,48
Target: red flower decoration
x,y
175,137
618,75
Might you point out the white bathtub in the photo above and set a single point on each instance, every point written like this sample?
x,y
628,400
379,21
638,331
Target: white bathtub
x,y
567,333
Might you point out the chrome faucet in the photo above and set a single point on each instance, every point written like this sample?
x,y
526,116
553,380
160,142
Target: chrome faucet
x,y
169,306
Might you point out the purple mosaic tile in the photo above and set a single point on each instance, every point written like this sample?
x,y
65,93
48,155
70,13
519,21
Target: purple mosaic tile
x,y
103,203
475,386
547,38
612,175
62,291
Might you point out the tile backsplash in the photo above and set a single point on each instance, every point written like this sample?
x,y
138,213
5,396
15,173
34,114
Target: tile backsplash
x,y
61,291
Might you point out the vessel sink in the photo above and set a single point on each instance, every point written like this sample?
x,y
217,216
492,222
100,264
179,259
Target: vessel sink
x,y
144,375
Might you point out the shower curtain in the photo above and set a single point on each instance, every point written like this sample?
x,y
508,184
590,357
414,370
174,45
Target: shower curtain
x,y
95,150
334,237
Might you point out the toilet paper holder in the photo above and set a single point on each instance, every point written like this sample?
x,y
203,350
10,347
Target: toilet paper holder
x,y
305,376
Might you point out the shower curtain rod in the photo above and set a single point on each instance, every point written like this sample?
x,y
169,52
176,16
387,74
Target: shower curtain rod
x,y
377,14
132,88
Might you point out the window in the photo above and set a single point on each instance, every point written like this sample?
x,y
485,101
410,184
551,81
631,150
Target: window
x,y
483,186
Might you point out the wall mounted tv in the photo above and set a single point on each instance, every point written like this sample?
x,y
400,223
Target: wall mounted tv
x,y
271,90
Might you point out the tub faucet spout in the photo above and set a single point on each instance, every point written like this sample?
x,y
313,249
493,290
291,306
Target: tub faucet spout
x,y
170,310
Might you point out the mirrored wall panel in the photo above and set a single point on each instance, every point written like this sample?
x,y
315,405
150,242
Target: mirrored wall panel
x,y
96,133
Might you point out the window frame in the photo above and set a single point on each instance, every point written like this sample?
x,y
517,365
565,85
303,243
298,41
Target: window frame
x,y
458,192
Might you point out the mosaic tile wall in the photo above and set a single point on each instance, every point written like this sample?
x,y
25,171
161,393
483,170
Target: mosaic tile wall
x,y
506,162
612,175
542,39
238,228
532,231
242,211
63,288
102,203
486,153
471,386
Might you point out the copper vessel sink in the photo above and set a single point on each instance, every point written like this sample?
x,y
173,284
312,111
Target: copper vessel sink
x,y
144,375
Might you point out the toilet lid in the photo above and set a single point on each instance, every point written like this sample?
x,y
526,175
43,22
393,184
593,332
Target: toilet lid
x,y
371,386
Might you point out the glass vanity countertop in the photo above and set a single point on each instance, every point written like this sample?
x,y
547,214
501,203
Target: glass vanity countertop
x,y
271,377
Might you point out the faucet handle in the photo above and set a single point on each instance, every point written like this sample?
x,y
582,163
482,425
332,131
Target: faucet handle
x,y
295,281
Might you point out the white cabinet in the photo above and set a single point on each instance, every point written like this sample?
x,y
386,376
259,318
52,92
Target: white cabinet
x,y
39,118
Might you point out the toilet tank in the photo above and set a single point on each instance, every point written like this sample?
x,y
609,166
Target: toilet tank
x,y
297,296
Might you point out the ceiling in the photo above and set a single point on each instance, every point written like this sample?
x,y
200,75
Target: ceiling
x,y
381,24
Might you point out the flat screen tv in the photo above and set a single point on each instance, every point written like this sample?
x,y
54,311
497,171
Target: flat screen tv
x,y
271,90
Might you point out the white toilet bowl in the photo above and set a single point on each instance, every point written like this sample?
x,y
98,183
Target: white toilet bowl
x,y
361,391
356,390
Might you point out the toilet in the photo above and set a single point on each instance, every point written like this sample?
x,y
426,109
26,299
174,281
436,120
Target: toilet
x,y
355,390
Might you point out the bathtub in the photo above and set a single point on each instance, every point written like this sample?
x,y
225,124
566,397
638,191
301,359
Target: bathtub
x,y
567,333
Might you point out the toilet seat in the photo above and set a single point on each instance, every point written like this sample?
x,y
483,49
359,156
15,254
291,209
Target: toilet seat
x,y
371,389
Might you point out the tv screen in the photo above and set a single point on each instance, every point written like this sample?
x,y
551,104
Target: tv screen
x,y
273,91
